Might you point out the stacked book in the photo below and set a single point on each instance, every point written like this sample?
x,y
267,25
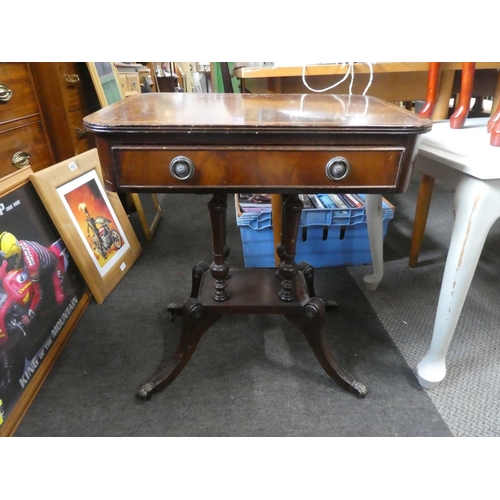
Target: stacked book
x,y
340,200
254,202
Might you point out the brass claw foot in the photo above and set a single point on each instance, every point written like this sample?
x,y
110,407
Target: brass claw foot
x,y
359,389
144,393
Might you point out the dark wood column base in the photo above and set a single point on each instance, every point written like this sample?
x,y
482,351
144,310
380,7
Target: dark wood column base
x,y
251,291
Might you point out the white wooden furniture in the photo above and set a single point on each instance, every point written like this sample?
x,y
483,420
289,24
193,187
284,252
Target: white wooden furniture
x,y
375,225
465,158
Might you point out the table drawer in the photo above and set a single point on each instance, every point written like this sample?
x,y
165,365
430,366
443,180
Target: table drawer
x,y
256,168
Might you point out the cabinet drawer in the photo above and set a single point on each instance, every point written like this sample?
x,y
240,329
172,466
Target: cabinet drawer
x,y
72,84
83,139
130,83
30,140
18,99
133,82
302,168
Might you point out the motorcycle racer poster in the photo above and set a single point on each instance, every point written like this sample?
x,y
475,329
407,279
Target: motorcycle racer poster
x,y
95,227
40,289
98,226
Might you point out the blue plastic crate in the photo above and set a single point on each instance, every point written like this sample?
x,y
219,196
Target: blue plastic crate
x,y
326,237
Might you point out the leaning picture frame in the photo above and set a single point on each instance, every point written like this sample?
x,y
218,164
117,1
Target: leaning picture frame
x,y
42,296
106,82
148,211
91,221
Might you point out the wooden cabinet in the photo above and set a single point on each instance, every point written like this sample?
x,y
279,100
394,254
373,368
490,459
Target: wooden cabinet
x,y
23,136
128,76
66,95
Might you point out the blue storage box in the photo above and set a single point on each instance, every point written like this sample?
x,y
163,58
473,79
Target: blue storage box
x,y
326,238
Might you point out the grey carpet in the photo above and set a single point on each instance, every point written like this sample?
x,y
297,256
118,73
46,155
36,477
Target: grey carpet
x,y
406,300
250,376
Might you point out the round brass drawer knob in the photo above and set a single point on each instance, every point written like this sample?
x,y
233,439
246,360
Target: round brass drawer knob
x,y
182,168
21,159
337,168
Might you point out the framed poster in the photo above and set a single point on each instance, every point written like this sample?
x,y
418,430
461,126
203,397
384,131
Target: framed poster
x,y
91,221
42,296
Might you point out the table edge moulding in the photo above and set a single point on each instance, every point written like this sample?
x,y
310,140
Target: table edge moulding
x,y
230,143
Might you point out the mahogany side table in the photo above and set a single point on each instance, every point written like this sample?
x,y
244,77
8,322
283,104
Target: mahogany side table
x,y
243,143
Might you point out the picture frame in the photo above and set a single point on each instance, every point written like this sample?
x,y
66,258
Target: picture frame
x,y
106,82
28,350
148,211
91,221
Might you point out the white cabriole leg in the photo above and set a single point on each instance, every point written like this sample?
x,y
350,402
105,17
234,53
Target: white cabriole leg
x,y
373,203
476,209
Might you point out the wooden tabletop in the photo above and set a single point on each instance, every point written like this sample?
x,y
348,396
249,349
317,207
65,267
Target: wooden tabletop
x,y
250,112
